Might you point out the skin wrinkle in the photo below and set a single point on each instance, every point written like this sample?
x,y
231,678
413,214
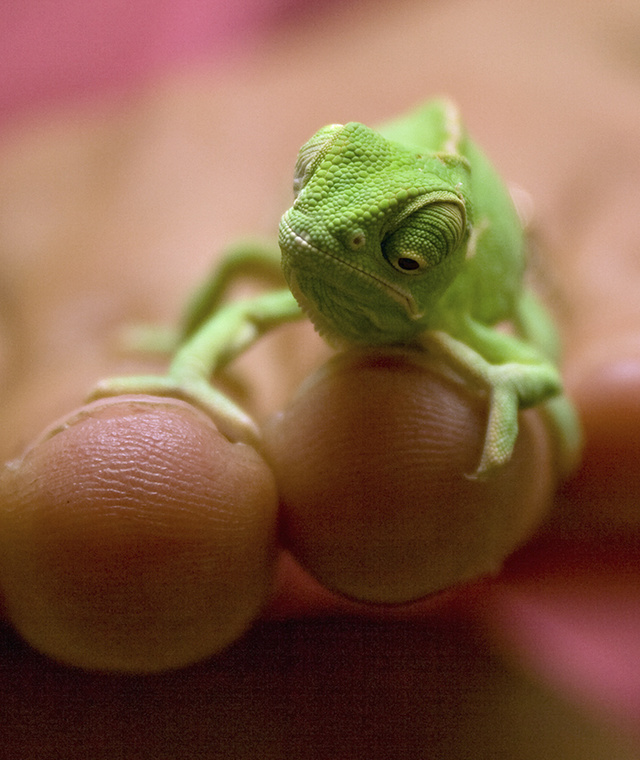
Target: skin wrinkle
x,y
202,562
120,480
378,517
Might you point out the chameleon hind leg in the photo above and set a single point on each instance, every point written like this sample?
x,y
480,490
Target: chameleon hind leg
x,y
249,260
514,375
214,335
536,326
244,260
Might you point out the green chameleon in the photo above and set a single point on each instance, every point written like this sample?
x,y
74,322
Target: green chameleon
x,y
401,236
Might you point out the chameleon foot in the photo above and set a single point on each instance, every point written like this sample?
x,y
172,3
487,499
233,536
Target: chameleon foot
x,y
512,387
231,420
501,433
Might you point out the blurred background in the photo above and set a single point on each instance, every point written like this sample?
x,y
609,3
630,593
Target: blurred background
x,y
138,137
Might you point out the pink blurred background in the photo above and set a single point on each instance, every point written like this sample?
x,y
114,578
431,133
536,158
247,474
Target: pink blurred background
x,y
576,624
53,50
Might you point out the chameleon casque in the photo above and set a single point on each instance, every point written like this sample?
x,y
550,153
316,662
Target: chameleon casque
x,y
400,236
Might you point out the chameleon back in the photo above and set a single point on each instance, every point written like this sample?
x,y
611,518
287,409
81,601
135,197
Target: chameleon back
x,y
490,283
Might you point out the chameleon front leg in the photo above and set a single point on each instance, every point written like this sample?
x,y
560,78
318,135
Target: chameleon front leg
x,y
514,375
250,260
231,329
247,260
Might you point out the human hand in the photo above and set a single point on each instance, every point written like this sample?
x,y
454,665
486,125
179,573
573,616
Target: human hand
x,y
49,565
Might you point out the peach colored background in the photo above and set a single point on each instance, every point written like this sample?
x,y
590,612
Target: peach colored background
x,y
555,87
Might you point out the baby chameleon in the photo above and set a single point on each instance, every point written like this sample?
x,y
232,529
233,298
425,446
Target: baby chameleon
x,y
400,236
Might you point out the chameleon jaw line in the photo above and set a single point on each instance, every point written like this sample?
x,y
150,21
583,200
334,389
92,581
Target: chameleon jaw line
x,y
405,299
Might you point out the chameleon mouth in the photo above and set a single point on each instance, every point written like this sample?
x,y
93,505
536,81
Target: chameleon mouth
x,y
401,296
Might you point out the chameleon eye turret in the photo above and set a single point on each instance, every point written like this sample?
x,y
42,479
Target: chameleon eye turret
x,y
425,237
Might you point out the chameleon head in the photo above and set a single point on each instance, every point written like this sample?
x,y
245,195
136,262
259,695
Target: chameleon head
x,y
375,236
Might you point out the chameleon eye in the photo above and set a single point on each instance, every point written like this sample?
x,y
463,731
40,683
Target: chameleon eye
x,y
425,237
408,264
310,155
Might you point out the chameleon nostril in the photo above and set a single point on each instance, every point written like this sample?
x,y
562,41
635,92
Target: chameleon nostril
x,y
357,240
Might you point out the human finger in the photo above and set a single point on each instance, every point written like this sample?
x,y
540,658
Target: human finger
x,y
135,537
372,459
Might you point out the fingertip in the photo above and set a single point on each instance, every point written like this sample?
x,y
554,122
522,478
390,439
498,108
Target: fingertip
x,y
135,537
371,460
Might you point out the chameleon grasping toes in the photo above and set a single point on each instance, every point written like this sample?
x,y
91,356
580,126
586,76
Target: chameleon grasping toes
x,y
400,236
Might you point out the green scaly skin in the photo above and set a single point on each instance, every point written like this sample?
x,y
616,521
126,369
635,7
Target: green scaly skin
x,y
401,236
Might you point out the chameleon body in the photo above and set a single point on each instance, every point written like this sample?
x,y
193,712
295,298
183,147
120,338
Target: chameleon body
x,y
403,235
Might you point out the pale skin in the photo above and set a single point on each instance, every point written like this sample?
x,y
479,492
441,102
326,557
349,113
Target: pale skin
x,y
403,236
